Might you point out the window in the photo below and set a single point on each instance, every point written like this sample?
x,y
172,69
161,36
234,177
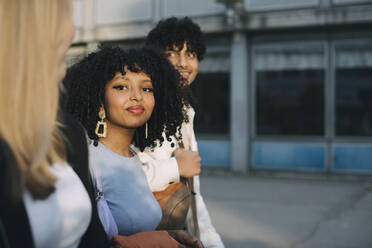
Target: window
x,y
353,60
289,89
213,105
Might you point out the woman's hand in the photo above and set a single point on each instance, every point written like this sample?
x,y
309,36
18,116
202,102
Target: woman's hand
x,y
185,239
155,239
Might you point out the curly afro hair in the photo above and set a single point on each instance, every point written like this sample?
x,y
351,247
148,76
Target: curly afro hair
x,y
85,84
175,32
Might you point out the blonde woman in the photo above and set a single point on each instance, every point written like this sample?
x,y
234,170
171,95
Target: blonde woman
x,y
43,201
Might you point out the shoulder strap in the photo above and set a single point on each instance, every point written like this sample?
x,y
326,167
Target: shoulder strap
x,y
104,212
96,179
194,225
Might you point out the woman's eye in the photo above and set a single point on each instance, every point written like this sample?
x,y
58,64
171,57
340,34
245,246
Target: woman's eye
x,y
148,89
120,87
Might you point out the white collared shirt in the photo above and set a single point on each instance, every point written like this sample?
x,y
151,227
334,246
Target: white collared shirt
x,y
161,169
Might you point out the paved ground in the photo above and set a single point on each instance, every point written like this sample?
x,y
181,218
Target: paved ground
x,y
252,212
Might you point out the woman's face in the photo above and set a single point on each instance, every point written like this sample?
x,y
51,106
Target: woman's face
x,y
63,47
129,100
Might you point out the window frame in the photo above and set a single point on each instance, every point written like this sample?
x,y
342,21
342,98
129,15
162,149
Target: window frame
x,y
253,90
329,39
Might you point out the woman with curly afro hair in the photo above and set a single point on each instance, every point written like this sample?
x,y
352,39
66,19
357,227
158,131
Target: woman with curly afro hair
x,y
123,98
86,84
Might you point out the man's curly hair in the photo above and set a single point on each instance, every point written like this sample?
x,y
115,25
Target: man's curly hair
x,y
175,32
86,80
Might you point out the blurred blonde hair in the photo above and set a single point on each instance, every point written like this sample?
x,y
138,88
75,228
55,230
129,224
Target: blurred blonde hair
x,y
30,33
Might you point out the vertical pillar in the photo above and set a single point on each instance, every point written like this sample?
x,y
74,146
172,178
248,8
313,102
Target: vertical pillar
x,y
239,104
157,10
89,20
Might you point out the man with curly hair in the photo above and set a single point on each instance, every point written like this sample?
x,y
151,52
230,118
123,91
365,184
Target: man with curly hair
x,y
183,43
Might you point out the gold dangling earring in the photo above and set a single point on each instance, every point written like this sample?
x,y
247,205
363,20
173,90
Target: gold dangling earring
x,y
146,130
101,126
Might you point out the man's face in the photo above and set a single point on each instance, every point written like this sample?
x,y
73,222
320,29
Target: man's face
x,y
186,62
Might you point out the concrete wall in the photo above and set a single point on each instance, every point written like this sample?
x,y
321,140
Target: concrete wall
x,y
126,21
130,19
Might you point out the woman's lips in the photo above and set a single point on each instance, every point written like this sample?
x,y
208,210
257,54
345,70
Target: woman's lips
x,y
136,110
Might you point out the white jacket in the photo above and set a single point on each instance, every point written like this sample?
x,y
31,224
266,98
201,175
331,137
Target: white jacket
x,y
161,169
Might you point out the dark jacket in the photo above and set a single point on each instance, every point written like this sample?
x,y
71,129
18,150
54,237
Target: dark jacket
x,y
14,225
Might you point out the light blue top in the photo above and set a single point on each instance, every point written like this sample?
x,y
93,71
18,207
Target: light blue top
x,y
126,191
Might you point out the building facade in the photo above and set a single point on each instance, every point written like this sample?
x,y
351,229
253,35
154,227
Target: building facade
x,y
285,84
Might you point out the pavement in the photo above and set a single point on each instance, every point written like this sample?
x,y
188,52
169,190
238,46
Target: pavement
x,y
264,212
